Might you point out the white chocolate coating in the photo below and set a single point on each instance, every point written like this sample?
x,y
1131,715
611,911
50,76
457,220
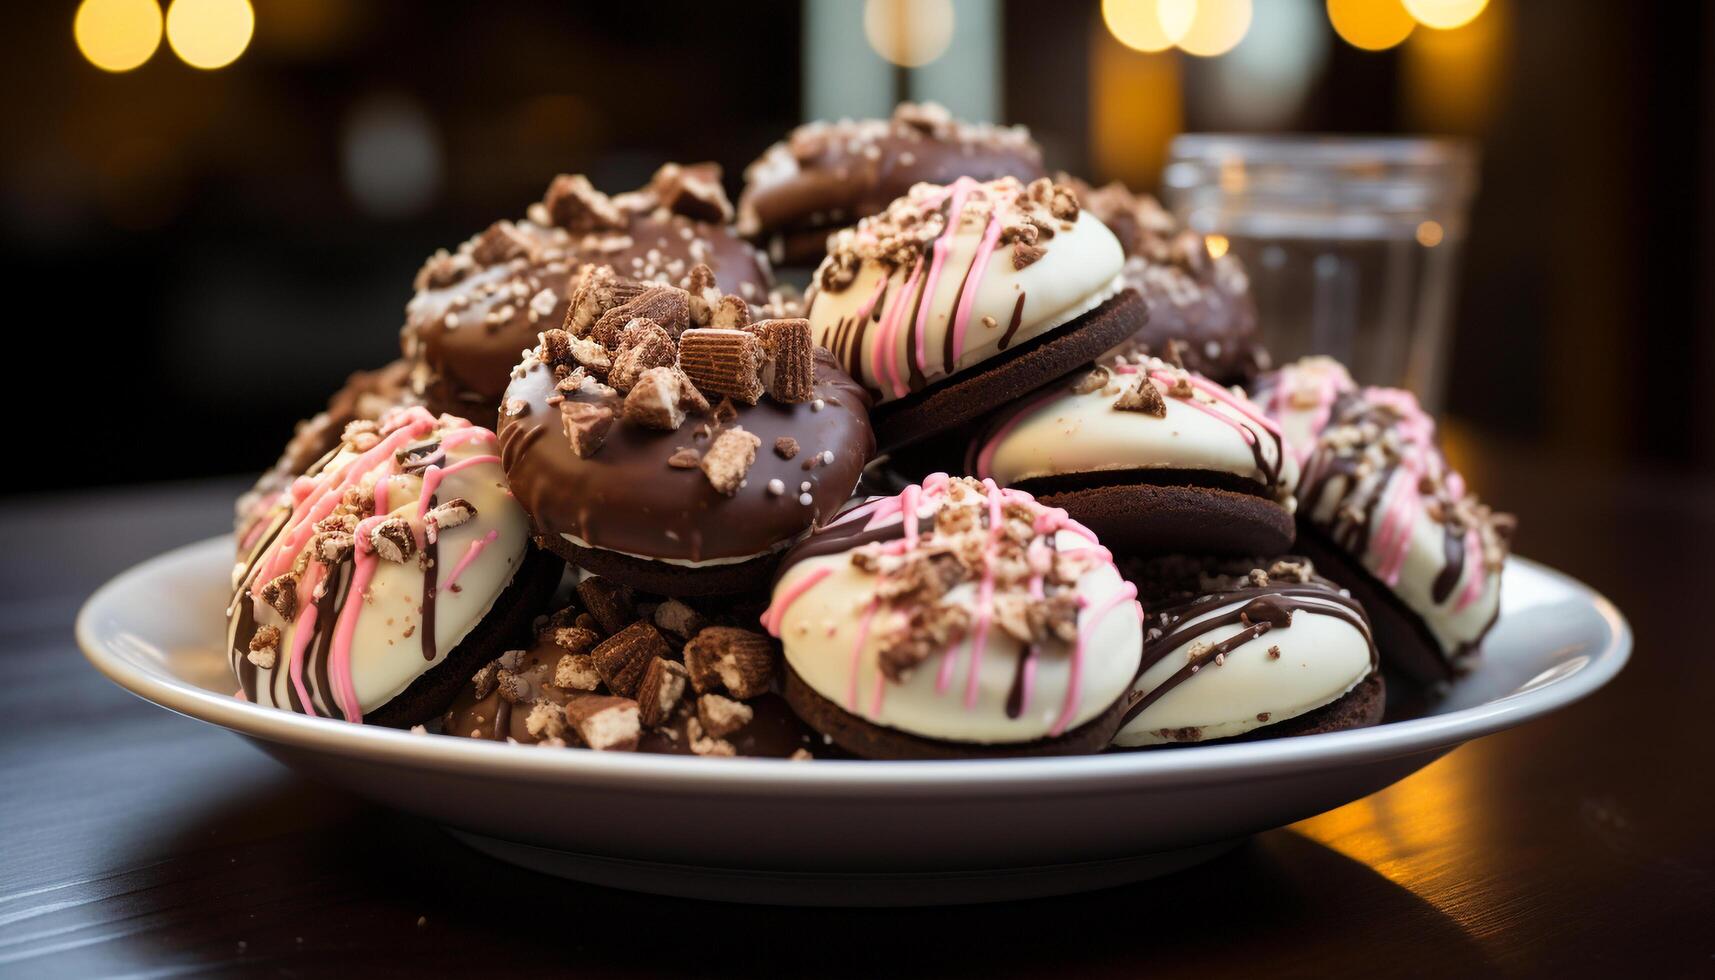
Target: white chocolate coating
x,y
1300,395
386,646
1322,657
1068,432
1371,472
1454,625
820,631
986,684
880,330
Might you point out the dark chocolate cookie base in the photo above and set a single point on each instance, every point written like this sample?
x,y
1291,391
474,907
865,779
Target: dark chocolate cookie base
x,y
506,627
1406,646
871,741
1008,376
1361,707
1149,512
662,578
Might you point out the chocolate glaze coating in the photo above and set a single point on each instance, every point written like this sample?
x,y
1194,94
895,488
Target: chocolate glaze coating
x,y
664,579
824,176
1201,301
465,365
626,498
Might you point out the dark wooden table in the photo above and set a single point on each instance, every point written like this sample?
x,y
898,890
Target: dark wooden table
x,y
134,841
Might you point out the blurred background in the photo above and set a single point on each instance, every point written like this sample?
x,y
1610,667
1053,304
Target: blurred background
x,y
216,206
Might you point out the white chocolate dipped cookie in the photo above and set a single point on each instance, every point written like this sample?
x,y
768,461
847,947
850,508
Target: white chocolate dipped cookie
x,y
957,618
954,286
1381,497
1153,457
401,551
1231,650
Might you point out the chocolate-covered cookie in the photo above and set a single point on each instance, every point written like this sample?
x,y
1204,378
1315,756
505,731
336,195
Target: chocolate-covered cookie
x,y
475,308
669,680
959,298
1151,457
1384,514
826,175
1247,649
1200,307
957,619
386,574
675,456
365,395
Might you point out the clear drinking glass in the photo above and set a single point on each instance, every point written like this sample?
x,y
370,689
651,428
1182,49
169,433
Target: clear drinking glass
x,y
1351,243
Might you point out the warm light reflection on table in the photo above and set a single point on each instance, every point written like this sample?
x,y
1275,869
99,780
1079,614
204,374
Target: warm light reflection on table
x,y
1417,833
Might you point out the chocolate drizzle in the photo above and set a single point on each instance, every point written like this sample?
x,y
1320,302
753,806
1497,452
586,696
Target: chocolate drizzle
x,y
1452,564
1012,325
431,555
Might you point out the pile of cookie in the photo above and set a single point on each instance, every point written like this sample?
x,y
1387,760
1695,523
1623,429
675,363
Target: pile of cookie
x,y
1013,475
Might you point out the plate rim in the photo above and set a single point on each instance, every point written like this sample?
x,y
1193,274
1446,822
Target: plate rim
x,y
675,775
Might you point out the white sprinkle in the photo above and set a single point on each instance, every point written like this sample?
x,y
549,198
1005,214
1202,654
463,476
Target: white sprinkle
x,y
817,405
804,499
827,457
776,487
804,487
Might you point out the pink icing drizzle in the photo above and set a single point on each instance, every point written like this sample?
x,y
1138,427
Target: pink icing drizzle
x,y
1069,709
314,499
1048,521
884,342
887,336
979,268
470,554
985,595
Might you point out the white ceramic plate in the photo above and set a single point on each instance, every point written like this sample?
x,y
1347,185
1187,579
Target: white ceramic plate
x,y
848,832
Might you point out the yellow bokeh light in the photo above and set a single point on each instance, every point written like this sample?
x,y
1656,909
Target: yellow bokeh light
x,y
1136,24
1213,28
117,35
1176,17
1429,234
1444,15
1373,25
210,33
1217,245
909,33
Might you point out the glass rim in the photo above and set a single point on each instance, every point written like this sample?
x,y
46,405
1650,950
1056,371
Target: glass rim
x,y
1323,149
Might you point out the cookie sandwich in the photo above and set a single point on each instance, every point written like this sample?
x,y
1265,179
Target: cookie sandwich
x,y
1152,457
956,619
1248,649
1201,312
958,298
665,441
826,175
1382,513
385,575
478,306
